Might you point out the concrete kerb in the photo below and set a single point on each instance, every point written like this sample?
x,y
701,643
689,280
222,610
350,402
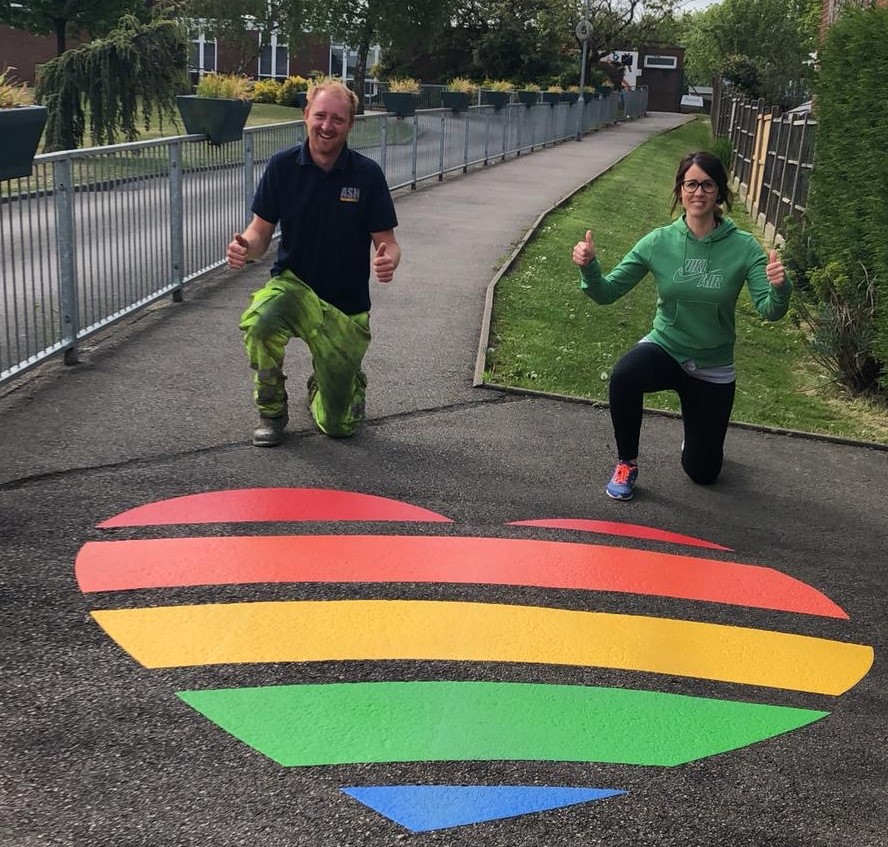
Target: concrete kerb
x,y
484,343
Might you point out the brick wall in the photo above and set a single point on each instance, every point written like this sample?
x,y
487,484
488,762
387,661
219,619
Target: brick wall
x,y
23,51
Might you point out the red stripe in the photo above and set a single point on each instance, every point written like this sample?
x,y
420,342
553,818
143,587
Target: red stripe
x,y
626,530
175,562
248,505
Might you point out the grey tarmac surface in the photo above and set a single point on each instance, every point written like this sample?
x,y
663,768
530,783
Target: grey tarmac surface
x,y
97,750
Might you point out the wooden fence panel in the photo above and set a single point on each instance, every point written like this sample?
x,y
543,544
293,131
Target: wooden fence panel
x,y
772,156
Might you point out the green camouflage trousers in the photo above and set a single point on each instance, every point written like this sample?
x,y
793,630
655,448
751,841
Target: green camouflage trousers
x,y
287,308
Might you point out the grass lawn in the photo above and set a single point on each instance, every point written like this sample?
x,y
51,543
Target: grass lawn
x,y
548,336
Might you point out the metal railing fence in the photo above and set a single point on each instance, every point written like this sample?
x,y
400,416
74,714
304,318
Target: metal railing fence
x,y
97,234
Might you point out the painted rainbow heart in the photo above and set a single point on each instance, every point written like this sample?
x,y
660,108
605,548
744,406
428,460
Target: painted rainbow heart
x,y
445,720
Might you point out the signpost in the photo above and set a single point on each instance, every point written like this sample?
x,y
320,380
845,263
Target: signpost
x,y
583,33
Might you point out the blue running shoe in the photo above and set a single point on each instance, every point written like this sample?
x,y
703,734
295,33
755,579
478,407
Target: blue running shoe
x,y
622,483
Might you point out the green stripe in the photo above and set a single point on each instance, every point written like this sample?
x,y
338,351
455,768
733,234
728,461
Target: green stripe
x,y
455,721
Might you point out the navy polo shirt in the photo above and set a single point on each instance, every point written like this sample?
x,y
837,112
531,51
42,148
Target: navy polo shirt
x,y
326,219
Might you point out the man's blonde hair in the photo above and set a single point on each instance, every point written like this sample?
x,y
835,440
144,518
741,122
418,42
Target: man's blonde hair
x,y
334,86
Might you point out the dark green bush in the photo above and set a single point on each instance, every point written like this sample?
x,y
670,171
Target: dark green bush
x,y
847,210
722,148
837,314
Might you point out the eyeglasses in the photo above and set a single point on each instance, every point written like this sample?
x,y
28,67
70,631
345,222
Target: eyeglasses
x,y
691,185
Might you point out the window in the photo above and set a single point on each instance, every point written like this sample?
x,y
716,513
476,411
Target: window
x,y
669,63
343,60
274,58
202,56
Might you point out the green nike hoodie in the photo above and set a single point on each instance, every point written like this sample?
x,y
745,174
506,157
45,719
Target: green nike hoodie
x,y
698,283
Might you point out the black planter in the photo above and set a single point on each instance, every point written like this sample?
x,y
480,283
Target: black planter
x,y
551,97
569,97
220,119
497,99
402,103
295,100
528,98
20,129
459,101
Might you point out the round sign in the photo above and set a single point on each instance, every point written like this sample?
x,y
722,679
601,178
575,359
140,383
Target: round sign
x,y
584,30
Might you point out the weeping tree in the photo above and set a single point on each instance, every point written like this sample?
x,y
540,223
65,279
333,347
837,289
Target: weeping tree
x,y
113,83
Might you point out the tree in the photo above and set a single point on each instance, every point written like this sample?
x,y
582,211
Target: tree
x,y
535,40
234,22
63,17
362,23
138,69
775,37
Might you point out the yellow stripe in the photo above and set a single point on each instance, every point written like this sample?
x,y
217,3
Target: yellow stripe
x,y
177,636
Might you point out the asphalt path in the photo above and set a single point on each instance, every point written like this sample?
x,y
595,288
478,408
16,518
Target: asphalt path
x,y
97,747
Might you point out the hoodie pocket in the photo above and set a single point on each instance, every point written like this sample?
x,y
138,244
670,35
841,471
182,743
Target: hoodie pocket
x,y
695,325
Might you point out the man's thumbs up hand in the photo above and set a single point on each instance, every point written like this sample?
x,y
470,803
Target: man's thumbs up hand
x,y
237,253
774,269
584,252
383,264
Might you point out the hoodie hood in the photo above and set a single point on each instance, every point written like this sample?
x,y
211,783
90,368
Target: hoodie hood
x,y
701,248
725,227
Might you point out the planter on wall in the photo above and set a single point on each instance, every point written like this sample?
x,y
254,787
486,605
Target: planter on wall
x,y
219,118
528,98
20,129
551,97
402,103
459,101
297,99
497,99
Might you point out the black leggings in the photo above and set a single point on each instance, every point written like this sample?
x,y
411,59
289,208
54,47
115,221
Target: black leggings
x,y
705,408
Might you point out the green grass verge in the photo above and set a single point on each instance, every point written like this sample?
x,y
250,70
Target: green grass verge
x,y
546,335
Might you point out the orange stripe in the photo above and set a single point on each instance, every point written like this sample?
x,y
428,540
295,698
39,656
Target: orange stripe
x,y
174,562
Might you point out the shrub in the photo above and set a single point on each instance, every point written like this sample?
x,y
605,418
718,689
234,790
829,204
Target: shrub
x,y
846,212
498,85
743,74
531,86
722,148
595,77
266,91
840,326
290,87
12,92
461,84
226,86
403,85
